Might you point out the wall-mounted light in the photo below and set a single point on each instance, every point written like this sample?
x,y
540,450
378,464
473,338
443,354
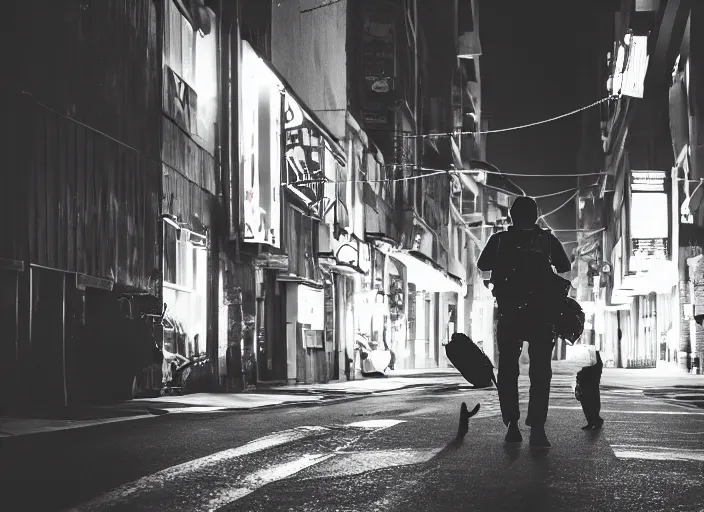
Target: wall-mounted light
x,y
685,212
172,221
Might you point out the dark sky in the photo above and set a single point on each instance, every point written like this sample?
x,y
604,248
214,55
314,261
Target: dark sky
x,y
530,72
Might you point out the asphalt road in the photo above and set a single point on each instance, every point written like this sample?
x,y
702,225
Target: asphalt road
x,y
391,452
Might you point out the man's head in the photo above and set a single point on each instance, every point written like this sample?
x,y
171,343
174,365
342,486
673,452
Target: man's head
x,y
524,211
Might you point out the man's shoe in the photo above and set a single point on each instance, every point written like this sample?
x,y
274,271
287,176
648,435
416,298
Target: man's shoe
x,y
594,426
538,438
513,435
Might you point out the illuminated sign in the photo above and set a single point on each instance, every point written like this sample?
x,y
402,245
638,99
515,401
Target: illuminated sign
x,y
261,149
648,181
649,219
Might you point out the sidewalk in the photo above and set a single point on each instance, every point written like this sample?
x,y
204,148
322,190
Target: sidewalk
x,y
652,382
144,408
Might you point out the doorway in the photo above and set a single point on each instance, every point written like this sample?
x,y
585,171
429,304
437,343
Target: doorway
x,y
332,349
271,356
47,337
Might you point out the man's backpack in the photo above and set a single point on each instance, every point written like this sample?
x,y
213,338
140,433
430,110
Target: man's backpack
x,y
524,268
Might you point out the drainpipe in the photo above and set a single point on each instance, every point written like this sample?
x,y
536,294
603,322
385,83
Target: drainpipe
x,y
415,71
675,256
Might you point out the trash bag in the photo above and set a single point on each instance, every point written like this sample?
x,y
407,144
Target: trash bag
x,y
470,360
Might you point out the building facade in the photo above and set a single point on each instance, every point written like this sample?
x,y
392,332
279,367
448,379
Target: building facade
x,y
266,192
639,242
361,75
83,150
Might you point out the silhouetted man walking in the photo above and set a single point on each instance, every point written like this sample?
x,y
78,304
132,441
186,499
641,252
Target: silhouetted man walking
x,y
520,260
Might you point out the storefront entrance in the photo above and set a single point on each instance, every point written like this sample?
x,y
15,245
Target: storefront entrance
x,y
271,330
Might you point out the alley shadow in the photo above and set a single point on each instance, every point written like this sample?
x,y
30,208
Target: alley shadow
x,y
512,452
593,435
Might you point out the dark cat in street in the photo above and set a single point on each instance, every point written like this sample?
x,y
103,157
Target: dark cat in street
x,y
465,414
587,392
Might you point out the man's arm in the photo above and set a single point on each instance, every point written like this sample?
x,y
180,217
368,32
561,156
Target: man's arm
x,y
559,257
488,256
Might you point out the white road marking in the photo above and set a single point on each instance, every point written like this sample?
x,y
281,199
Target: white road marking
x,y
249,483
196,409
351,463
263,477
356,463
375,424
159,479
654,448
663,454
671,413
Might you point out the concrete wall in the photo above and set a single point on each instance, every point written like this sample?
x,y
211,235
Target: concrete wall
x,y
308,47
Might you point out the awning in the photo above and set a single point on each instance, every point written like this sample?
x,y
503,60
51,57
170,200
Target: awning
x,y
345,257
427,277
458,218
660,278
292,278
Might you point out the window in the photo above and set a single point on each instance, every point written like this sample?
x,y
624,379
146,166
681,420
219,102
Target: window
x,y
192,55
169,254
185,258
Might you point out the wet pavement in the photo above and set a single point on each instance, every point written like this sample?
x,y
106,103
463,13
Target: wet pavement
x,y
393,451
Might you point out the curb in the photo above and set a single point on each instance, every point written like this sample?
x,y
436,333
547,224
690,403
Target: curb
x,y
337,398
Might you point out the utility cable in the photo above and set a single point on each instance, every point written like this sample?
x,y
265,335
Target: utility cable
x,y
326,4
577,175
559,207
512,128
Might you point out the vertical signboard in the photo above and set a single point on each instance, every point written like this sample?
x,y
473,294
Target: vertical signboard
x,y
304,156
649,219
261,149
378,64
330,187
636,67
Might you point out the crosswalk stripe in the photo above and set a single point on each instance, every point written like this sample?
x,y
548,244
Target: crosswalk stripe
x,y
374,424
157,480
667,413
249,483
356,463
263,477
658,454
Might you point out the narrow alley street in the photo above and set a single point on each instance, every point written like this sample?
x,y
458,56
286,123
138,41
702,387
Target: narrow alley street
x,y
389,451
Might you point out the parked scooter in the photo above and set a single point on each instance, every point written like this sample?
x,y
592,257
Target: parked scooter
x,y
373,359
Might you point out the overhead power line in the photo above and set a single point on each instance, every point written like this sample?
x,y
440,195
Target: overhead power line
x,y
559,207
512,128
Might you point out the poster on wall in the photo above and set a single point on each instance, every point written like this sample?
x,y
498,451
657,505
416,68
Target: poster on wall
x,y
649,219
304,155
311,307
260,91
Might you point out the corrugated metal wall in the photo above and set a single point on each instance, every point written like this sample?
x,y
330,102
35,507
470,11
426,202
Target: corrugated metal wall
x,y
102,67
92,103
81,167
191,178
93,203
